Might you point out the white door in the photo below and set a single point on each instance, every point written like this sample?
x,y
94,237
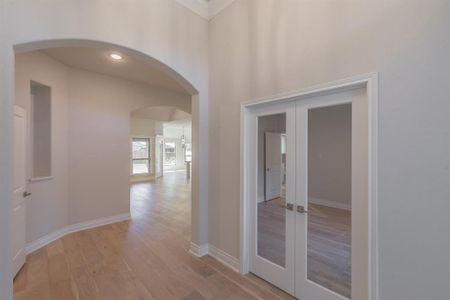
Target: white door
x,y
273,165
312,247
272,226
159,144
332,243
18,201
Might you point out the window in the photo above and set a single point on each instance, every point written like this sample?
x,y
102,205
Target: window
x,y
188,152
41,131
170,154
140,156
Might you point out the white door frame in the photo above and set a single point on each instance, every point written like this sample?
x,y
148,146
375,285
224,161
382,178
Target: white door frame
x,y
370,83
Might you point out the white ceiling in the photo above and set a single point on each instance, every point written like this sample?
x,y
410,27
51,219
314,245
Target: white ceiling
x,y
207,9
130,68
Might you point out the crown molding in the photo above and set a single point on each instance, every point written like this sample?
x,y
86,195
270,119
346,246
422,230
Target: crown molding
x,y
216,6
206,9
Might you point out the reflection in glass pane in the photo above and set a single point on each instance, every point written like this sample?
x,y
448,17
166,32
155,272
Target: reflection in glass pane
x,y
329,197
271,188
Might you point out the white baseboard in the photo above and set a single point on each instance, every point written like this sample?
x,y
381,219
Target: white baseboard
x,y
329,203
225,258
197,250
45,240
53,236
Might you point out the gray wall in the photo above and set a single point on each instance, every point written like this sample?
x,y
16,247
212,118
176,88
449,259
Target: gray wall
x,y
330,155
260,48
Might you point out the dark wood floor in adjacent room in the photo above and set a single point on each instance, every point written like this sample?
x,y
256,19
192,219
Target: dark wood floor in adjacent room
x,y
145,258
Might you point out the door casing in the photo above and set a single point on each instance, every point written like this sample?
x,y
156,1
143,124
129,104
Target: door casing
x,y
370,83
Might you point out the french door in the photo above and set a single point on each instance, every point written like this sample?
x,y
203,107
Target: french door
x,y
273,226
312,239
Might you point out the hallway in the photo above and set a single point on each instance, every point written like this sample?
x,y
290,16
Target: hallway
x,y
146,258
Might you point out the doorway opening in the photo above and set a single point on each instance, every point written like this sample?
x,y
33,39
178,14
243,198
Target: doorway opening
x,y
76,145
308,199
160,165
161,139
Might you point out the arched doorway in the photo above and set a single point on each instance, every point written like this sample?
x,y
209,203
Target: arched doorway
x,y
27,47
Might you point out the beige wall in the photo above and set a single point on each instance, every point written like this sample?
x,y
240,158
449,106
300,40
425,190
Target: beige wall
x,y
260,48
330,156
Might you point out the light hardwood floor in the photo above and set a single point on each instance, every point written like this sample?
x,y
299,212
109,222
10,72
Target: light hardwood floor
x,y
329,242
145,258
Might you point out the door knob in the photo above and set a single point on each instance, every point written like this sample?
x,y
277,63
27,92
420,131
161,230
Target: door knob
x,y
301,209
289,206
26,194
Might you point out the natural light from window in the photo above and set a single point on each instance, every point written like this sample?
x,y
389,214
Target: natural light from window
x,y
140,156
170,155
188,152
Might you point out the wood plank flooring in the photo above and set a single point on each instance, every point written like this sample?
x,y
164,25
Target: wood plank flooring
x,y
329,242
145,258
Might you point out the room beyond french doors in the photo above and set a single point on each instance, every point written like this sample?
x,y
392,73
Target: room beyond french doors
x,y
311,240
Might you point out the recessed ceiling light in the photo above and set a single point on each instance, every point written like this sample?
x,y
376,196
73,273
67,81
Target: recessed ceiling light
x,y
116,56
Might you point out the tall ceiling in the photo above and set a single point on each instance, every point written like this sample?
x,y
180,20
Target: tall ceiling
x,y
130,68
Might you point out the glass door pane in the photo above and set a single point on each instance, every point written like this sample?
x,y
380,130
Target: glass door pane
x,y
271,178
329,197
